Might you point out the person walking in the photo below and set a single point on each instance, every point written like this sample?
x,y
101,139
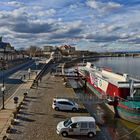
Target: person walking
x,y
24,76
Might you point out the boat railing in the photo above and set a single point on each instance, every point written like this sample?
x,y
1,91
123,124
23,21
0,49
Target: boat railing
x,y
124,101
124,82
130,100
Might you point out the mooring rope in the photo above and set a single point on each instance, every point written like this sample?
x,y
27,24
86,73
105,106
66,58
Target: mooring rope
x,y
129,133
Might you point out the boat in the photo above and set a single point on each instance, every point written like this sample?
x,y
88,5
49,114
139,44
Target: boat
x,y
119,90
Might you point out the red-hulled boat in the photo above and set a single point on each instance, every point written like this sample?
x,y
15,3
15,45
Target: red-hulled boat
x,y
107,84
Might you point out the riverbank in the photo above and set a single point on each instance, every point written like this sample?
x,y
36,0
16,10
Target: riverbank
x,y
38,120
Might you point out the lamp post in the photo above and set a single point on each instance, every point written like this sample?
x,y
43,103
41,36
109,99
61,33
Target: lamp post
x,y
29,71
3,89
36,64
3,85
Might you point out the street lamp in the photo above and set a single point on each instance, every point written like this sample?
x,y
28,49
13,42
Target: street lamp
x,y
36,64
3,85
3,89
29,71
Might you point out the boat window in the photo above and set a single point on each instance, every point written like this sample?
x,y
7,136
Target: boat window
x,y
137,93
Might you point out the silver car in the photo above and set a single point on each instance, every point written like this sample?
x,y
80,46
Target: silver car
x,y
64,104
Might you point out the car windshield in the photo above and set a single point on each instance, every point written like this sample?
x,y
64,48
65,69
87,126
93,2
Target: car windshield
x,y
67,122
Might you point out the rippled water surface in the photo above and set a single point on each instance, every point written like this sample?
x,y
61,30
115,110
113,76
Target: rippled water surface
x,y
130,65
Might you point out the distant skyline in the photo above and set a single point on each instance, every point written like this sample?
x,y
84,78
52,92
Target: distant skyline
x,y
95,25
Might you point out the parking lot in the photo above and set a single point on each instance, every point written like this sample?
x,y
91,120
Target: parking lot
x,y
38,120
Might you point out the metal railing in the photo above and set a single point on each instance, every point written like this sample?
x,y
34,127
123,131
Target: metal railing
x,y
40,74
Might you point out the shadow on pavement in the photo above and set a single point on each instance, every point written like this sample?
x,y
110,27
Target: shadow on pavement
x,y
25,119
15,131
34,113
24,113
59,116
24,108
80,137
25,100
82,110
31,97
25,104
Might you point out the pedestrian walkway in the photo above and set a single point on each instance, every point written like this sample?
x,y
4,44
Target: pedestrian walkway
x,y
6,115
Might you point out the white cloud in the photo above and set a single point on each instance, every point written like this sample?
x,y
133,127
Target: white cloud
x,y
15,4
94,4
112,6
102,6
70,21
49,12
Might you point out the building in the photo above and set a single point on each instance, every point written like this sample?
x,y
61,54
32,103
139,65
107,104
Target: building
x,y
67,49
7,52
56,55
48,48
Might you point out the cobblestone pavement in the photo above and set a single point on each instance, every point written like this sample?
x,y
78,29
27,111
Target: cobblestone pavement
x,y
37,118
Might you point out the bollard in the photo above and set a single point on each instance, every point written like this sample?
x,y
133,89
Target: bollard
x,y
25,94
5,138
16,101
9,129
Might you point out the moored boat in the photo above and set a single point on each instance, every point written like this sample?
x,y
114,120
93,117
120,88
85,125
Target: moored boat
x,y
123,90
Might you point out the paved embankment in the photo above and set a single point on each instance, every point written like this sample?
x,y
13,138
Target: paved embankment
x,y
38,120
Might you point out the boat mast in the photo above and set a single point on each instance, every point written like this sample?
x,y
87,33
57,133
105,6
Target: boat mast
x,y
132,91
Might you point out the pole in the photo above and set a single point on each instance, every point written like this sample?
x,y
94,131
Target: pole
x,y
3,91
36,64
85,86
29,71
3,87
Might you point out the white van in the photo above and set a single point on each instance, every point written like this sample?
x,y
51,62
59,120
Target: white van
x,y
81,125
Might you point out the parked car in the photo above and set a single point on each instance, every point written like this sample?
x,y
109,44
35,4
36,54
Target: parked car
x,y
64,104
81,125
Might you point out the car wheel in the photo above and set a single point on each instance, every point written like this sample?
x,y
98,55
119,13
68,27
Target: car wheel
x,y
90,134
56,108
64,134
74,109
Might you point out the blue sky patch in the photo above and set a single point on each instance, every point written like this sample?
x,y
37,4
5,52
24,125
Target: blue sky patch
x,y
96,25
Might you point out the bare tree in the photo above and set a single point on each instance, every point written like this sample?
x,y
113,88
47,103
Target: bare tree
x,y
34,51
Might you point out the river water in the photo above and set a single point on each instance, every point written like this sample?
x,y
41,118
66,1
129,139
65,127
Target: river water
x,y
129,65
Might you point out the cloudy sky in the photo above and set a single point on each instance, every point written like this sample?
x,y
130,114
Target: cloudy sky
x,y
96,25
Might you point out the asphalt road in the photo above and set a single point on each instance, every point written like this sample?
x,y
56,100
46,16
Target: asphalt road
x,y
14,77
